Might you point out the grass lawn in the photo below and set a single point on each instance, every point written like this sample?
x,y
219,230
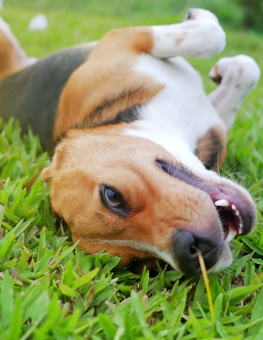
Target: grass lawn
x,y
51,290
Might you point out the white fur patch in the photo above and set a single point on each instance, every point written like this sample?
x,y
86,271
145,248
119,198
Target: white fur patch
x,y
240,76
141,246
199,37
178,115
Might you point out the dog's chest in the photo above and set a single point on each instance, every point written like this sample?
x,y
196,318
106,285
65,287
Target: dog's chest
x,y
179,114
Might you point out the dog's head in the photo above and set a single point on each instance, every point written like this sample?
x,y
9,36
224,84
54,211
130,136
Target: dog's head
x,y
131,197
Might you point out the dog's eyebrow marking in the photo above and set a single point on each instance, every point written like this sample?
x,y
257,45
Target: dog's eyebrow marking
x,y
141,246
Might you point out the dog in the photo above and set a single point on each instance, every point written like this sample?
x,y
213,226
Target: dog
x,y
137,143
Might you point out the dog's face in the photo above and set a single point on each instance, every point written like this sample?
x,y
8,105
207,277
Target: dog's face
x,y
131,197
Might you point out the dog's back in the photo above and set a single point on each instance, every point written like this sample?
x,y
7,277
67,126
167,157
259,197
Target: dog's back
x,y
37,90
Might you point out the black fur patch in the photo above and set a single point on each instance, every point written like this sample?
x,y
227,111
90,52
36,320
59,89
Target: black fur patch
x,y
32,95
129,115
217,79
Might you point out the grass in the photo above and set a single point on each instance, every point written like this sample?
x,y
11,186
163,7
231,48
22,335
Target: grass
x,y
51,290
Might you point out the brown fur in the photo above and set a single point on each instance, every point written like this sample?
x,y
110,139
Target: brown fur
x,y
8,63
75,176
211,148
108,87
95,93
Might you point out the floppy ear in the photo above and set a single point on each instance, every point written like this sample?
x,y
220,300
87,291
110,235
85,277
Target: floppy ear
x,y
55,165
46,173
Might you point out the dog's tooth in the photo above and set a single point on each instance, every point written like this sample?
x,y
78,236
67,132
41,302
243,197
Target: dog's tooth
x,y
232,233
234,207
237,213
222,203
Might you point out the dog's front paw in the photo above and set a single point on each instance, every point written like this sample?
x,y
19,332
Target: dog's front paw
x,y
240,71
200,15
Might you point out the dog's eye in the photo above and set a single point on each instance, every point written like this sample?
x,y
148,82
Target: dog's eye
x,y
114,201
113,198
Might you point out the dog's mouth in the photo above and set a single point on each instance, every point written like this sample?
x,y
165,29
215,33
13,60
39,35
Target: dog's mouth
x,y
231,219
235,214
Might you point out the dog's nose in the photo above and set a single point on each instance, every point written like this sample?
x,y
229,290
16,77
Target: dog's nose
x,y
187,257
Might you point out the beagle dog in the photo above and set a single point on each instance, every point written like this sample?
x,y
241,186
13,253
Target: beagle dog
x,y
137,141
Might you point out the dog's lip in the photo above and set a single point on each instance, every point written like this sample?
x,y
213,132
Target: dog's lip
x,y
234,210
237,212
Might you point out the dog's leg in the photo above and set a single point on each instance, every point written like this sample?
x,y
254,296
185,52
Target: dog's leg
x,y
199,36
236,78
12,56
109,76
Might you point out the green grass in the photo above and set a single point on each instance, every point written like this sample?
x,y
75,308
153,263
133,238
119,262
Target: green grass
x,y
51,290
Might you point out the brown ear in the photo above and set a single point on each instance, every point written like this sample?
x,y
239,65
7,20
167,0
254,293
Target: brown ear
x,y
56,163
46,173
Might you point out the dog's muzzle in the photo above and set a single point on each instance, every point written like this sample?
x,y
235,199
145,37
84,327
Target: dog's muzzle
x,y
184,243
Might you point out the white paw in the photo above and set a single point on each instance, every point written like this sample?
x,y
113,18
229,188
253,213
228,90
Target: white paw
x,y
211,37
200,14
241,72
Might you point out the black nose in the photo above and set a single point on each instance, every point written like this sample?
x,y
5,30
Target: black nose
x,y
187,257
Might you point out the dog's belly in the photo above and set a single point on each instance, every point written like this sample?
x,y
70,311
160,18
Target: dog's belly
x,y
32,95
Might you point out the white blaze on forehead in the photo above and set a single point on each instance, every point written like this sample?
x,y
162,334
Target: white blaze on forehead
x,y
170,142
141,246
